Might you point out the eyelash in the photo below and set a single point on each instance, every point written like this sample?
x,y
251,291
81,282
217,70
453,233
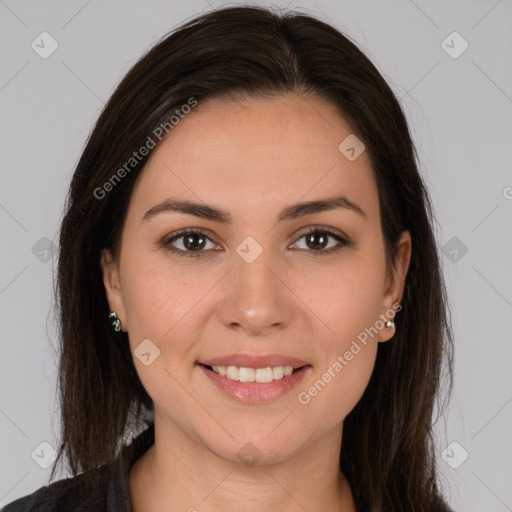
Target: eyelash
x,y
189,254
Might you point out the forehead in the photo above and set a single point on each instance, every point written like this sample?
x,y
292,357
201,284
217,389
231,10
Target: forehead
x,y
257,153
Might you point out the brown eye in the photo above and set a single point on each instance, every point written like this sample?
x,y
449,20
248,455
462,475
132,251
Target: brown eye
x,y
317,240
192,243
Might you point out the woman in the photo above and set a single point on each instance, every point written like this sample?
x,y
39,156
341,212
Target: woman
x,y
248,269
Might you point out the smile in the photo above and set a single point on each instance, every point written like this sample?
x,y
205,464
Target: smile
x,y
261,375
253,385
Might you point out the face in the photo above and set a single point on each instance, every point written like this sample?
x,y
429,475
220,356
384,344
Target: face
x,y
255,284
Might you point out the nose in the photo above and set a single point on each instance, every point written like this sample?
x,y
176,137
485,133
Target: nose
x,y
257,296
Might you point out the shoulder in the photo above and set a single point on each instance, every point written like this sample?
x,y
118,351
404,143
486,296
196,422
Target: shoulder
x,y
104,488
86,492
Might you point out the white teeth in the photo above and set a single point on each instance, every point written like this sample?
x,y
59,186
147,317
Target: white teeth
x,y
288,370
261,375
232,372
278,372
246,375
264,375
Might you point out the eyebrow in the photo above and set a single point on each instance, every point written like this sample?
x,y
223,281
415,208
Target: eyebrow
x,y
216,214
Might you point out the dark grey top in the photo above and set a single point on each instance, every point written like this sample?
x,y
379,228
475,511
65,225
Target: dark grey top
x,y
70,494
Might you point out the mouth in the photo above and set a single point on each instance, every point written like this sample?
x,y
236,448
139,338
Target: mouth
x,y
254,385
258,375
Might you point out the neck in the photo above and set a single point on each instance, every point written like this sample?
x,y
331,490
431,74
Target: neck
x,y
181,472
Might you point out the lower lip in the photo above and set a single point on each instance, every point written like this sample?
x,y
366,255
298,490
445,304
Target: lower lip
x,y
255,392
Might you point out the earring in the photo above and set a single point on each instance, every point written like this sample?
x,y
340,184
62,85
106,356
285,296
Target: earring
x,y
390,323
115,323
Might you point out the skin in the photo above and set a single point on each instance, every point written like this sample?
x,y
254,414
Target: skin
x,y
252,158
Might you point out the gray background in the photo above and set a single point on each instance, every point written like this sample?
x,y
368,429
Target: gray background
x,y
459,110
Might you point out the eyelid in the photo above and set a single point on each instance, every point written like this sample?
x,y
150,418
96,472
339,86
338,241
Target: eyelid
x,y
166,241
342,239
324,228
186,231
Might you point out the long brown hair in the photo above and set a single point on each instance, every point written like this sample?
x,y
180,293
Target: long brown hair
x,y
388,451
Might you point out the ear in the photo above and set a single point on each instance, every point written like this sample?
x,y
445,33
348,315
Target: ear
x,y
112,285
395,280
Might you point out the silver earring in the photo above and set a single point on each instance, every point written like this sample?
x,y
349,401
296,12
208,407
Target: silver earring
x,y
114,321
390,323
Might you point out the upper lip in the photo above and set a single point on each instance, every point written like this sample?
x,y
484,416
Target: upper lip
x,y
254,361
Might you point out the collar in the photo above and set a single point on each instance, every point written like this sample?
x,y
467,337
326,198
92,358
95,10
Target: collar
x,y
118,494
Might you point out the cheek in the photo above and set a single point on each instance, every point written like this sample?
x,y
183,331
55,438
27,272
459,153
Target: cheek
x,y
348,302
158,294
159,303
346,297
340,379
347,387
